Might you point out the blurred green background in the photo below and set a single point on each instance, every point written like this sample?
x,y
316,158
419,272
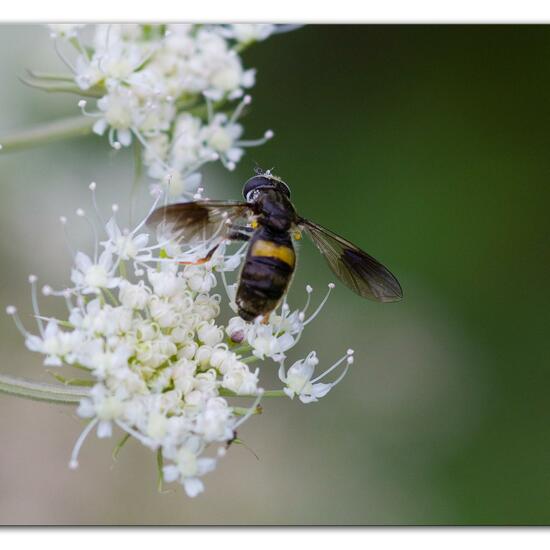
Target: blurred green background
x,y
427,145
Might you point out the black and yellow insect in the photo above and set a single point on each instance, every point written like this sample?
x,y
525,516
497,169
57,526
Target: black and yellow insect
x,y
269,221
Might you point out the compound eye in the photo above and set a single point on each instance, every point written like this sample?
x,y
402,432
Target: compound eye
x,y
284,188
252,195
253,184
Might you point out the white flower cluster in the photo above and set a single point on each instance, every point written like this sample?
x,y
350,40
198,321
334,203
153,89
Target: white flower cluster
x,y
170,87
160,365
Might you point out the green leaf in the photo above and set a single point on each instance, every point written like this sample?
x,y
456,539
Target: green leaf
x,y
63,86
71,381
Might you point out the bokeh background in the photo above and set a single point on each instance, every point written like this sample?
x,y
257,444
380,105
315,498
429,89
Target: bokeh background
x,y
427,145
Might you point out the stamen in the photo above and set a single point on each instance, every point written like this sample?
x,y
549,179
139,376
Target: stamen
x,y
247,100
269,134
345,371
82,105
73,464
316,312
82,49
347,357
224,281
80,213
151,151
12,311
34,298
252,409
62,56
228,164
93,187
302,314
63,221
213,157
141,438
144,221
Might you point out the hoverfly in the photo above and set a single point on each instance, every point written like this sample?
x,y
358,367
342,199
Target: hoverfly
x,y
268,221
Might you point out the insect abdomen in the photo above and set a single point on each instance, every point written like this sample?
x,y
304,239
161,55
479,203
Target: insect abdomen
x,y
265,276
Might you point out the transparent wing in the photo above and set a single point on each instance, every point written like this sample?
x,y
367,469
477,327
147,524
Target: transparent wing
x,y
355,268
191,222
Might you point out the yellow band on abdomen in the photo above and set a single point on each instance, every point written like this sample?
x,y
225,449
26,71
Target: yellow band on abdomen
x,y
272,250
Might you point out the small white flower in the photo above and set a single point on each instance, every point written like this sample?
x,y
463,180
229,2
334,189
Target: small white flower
x,y
125,244
166,283
240,380
214,423
121,112
133,296
298,378
209,333
188,467
267,341
91,277
55,344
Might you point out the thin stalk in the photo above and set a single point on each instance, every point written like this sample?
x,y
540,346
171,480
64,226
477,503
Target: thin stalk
x,y
268,393
119,446
21,387
160,471
242,411
45,133
138,173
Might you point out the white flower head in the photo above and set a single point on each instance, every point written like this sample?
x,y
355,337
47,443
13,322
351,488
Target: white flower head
x,y
152,344
144,326
163,87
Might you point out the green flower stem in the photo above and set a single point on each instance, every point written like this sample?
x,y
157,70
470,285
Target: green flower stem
x,y
45,133
243,411
160,471
138,173
268,393
20,387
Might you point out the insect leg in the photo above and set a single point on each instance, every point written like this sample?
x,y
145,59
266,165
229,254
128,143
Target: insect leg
x,y
202,260
238,235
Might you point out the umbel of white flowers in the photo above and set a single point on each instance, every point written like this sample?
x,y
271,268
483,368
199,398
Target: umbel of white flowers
x,y
161,367
179,90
